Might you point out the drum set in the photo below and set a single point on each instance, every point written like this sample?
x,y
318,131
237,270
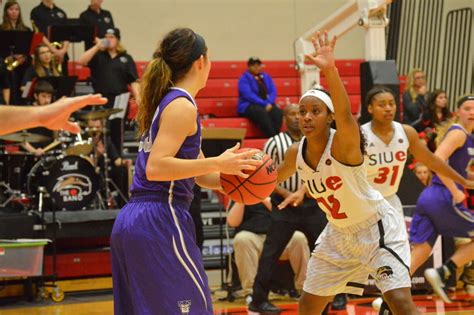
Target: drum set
x,y
66,177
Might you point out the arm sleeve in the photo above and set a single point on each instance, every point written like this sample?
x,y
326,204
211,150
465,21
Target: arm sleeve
x,y
30,74
247,94
272,92
132,74
83,19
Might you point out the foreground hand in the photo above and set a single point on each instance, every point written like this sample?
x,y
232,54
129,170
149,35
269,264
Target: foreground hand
x,y
234,163
56,116
323,57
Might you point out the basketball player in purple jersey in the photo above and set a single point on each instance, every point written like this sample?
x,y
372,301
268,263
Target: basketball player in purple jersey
x,y
440,209
156,265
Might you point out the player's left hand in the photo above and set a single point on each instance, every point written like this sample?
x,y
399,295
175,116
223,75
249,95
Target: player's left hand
x,y
323,56
293,200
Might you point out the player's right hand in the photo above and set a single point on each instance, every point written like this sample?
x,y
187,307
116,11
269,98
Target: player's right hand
x,y
234,163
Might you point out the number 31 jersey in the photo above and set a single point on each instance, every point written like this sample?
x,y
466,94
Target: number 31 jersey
x,y
385,162
343,192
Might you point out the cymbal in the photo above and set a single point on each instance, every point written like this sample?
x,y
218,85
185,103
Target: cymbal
x,y
25,137
80,148
100,114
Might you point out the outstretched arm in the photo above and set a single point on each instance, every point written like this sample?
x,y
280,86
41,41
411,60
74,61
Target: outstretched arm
x,y
346,147
54,116
163,165
437,162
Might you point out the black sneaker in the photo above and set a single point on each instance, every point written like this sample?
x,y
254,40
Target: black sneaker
x,y
339,302
294,294
437,278
264,308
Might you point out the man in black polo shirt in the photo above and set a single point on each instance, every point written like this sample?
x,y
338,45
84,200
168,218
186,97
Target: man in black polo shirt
x,y
112,72
45,15
99,18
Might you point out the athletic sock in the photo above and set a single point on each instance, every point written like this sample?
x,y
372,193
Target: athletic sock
x,y
448,268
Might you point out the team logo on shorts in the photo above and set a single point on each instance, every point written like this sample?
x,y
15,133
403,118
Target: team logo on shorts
x,y
384,273
184,306
328,162
400,140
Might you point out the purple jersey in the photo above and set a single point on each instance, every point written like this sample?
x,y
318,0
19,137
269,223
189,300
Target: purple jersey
x,y
461,158
190,149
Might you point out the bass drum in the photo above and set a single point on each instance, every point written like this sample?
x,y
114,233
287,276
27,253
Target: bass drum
x,y
70,181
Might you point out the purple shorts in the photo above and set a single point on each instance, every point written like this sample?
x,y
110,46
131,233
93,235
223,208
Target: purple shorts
x,y
436,214
156,265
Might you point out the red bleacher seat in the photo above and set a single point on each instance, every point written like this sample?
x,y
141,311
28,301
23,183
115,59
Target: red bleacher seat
x,y
229,87
220,88
74,68
235,69
280,69
218,107
141,66
227,106
254,143
252,130
352,84
227,69
349,67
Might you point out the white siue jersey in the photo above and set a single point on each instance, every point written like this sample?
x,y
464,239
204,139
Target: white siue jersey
x,y
385,162
343,192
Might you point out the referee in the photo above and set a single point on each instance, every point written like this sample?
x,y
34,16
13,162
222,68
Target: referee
x,y
307,217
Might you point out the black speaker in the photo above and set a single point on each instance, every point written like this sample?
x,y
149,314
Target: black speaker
x,y
374,73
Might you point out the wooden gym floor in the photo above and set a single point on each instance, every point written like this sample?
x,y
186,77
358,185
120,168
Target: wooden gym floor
x,y
102,303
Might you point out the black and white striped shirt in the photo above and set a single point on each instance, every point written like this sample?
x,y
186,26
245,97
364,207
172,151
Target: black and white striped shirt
x,y
276,147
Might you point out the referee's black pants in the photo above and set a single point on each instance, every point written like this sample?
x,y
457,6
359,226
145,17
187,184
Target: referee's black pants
x,y
278,236
269,122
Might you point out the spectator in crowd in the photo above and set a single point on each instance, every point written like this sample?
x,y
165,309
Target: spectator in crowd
x,y
113,71
43,16
436,114
44,65
257,94
43,95
18,63
423,173
414,97
252,224
99,18
304,215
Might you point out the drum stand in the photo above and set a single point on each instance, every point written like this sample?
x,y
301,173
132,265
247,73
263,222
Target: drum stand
x,y
13,195
108,194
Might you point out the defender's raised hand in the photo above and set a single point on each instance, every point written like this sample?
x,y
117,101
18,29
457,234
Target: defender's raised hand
x,y
323,56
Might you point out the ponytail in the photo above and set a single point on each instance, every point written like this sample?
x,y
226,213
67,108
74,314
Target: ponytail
x,y
178,51
154,85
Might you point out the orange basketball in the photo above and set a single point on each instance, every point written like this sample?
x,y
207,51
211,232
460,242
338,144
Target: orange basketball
x,y
258,186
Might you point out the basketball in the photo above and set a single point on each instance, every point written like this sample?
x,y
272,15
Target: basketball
x,y
258,186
